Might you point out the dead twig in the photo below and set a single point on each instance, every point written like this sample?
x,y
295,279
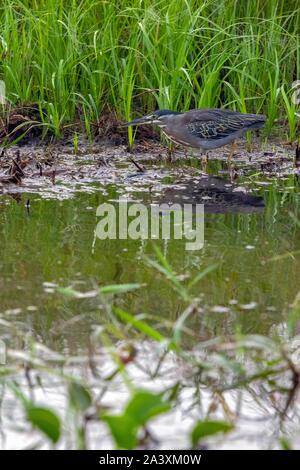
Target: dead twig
x,y
139,167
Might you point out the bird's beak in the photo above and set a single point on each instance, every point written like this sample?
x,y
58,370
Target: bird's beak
x,y
138,122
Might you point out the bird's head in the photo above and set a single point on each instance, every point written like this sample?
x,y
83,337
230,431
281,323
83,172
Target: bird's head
x,y
159,117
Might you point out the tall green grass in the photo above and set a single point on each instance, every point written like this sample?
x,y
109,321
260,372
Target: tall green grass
x,y
79,59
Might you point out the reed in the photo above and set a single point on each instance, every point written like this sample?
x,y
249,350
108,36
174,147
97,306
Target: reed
x,y
80,59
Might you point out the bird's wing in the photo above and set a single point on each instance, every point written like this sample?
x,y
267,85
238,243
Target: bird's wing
x,y
214,129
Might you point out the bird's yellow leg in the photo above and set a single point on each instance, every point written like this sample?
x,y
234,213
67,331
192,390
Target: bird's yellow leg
x,y
204,161
205,158
232,150
170,152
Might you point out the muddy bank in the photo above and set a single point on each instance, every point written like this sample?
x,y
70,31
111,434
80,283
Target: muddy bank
x,y
56,171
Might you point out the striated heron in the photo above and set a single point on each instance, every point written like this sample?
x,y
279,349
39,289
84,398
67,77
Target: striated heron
x,y
204,129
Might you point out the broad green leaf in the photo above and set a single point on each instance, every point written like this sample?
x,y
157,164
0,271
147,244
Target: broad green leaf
x,y
145,405
140,325
112,289
139,410
208,428
79,396
45,420
123,430
119,288
285,444
75,294
68,291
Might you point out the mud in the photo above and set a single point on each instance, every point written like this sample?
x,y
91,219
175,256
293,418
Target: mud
x,y
56,171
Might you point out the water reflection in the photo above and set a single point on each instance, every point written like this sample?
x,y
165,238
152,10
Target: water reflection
x,y
217,195
53,242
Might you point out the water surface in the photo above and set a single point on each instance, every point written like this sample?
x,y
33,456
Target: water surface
x,y
52,243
